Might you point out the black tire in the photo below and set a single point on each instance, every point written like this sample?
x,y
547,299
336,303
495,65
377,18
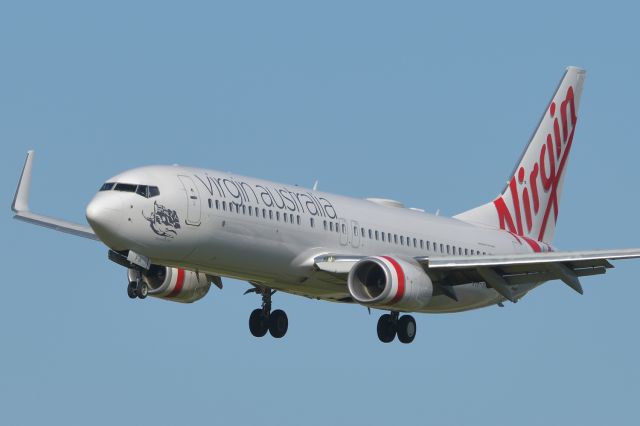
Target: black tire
x,y
406,329
386,329
142,291
258,324
278,323
131,290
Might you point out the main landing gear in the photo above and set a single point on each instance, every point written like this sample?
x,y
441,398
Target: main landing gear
x,y
263,319
390,325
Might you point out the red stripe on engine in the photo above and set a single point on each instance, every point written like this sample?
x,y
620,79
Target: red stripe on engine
x,y
179,283
400,294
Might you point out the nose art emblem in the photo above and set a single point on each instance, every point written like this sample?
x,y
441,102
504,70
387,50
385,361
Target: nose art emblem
x,y
163,221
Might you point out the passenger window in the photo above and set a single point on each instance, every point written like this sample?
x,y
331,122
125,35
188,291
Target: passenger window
x,y
244,209
331,226
395,238
324,224
217,205
371,235
250,211
278,216
210,203
415,243
362,233
311,222
298,218
224,206
401,240
271,214
344,228
441,248
382,236
284,216
448,249
466,252
355,231
421,244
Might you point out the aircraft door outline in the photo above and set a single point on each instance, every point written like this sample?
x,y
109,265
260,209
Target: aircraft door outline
x,y
194,204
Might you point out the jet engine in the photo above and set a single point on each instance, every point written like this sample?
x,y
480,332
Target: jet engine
x,y
391,283
175,284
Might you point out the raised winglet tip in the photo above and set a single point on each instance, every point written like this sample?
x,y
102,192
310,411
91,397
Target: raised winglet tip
x,y
21,197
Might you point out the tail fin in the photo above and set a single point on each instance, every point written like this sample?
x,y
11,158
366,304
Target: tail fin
x,y
529,204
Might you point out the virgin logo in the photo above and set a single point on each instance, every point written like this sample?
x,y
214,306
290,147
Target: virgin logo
x,y
533,191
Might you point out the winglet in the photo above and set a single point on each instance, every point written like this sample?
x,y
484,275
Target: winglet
x,y
21,198
20,207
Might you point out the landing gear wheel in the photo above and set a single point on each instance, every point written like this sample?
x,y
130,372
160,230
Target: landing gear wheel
x,y
258,324
278,323
406,329
131,290
142,291
386,328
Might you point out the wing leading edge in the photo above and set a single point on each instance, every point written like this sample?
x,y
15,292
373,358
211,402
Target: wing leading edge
x,y
20,207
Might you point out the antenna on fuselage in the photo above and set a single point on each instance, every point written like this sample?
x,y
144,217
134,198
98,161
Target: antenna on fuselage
x,y
315,185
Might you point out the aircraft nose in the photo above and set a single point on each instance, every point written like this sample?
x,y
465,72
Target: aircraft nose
x,y
104,214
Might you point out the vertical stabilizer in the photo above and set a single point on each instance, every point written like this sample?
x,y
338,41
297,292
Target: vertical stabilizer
x,y
529,204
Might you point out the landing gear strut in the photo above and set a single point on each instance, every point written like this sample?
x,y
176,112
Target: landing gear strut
x,y
137,289
390,325
262,319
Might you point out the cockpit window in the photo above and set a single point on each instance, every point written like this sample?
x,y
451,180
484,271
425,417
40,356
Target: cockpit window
x,y
125,187
153,191
145,190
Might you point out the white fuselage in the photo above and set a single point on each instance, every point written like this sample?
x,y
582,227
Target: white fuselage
x,y
269,233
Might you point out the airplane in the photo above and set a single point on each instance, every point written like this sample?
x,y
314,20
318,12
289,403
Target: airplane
x,y
177,230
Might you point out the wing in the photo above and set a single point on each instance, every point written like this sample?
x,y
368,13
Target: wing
x,y
20,207
500,271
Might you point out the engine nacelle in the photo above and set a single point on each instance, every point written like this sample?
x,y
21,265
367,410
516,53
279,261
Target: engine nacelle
x,y
175,284
391,283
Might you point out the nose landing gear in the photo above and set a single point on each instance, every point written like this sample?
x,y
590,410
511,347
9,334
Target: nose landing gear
x,y
262,319
390,325
137,289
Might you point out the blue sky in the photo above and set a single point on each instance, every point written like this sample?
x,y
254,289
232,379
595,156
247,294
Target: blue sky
x,y
430,104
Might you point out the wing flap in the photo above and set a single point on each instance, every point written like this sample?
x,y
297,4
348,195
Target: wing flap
x,y
576,259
